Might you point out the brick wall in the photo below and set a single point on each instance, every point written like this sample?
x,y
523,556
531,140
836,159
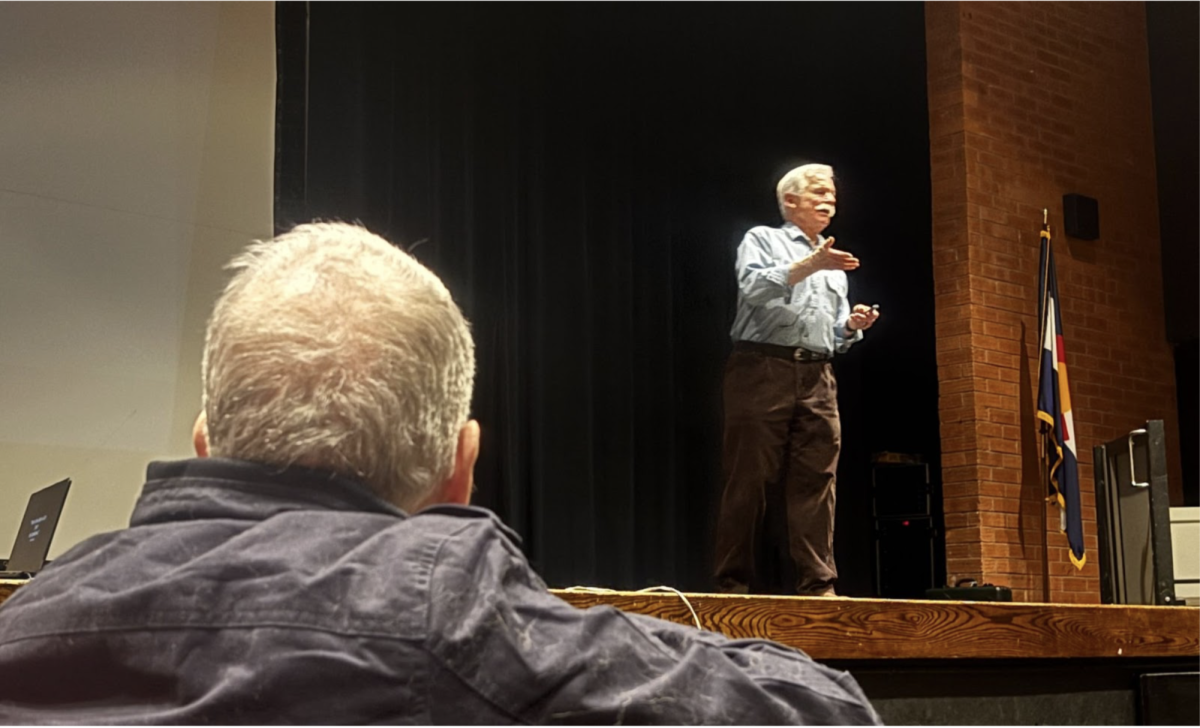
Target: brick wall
x,y
1028,101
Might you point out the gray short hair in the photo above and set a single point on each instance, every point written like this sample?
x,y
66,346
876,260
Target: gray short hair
x,y
331,348
796,180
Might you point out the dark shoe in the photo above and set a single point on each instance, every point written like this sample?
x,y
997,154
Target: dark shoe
x,y
728,586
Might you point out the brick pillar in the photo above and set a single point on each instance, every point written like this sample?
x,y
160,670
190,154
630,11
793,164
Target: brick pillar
x,y
1028,101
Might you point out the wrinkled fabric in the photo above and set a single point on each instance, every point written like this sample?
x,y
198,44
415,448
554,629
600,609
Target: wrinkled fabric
x,y
244,594
811,314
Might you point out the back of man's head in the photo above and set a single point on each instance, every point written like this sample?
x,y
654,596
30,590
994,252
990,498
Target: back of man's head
x,y
333,349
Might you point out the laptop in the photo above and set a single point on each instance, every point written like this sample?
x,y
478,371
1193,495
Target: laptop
x,y
36,531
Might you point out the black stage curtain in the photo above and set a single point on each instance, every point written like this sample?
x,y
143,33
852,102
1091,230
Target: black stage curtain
x,y
580,176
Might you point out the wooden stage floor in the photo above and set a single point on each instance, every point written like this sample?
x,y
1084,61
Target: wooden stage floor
x,y
895,629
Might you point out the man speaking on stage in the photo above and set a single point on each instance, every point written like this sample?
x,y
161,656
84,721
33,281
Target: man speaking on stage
x,y
780,395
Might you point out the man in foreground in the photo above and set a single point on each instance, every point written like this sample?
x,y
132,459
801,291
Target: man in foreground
x,y
280,577
780,394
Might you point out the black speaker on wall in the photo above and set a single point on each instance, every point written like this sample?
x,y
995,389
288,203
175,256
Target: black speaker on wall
x,y
1081,216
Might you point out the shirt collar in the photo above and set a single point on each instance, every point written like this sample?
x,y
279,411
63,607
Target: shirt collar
x,y
795,233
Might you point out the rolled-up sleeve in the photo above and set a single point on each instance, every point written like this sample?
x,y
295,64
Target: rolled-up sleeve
x,y
761,277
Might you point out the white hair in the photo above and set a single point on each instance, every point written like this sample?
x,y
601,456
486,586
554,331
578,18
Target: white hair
x,y
333,349
799,178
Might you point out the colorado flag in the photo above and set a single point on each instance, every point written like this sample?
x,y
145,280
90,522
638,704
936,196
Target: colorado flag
x,y
1054,408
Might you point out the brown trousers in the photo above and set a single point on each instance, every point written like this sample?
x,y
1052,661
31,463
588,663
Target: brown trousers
x,y
781,427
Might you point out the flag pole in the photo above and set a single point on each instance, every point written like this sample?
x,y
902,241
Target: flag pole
x,y
1042,469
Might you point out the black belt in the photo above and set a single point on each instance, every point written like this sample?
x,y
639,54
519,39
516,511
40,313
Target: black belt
x,y
793,353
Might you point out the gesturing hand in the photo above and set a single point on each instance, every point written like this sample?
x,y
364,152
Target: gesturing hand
x,y
826,258
862,317
823,258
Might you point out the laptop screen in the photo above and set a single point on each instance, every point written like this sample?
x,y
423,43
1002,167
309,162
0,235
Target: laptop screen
x,y
37,528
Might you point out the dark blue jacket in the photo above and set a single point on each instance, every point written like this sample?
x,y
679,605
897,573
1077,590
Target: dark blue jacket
x,y
241,594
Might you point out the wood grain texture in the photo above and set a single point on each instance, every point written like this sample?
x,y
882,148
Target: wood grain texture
x,y
884,629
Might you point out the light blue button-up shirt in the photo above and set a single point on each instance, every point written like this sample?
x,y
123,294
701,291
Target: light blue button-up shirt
x,y
811,314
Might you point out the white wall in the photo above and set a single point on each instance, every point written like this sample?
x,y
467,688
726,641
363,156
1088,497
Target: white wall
x,y
136,157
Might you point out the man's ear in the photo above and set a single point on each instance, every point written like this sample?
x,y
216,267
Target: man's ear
x,y
200,435
457,488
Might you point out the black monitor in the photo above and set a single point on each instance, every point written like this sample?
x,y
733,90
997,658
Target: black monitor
x,y
37,528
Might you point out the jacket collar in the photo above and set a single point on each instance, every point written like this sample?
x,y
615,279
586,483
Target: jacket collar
x,y
238,489
222,488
